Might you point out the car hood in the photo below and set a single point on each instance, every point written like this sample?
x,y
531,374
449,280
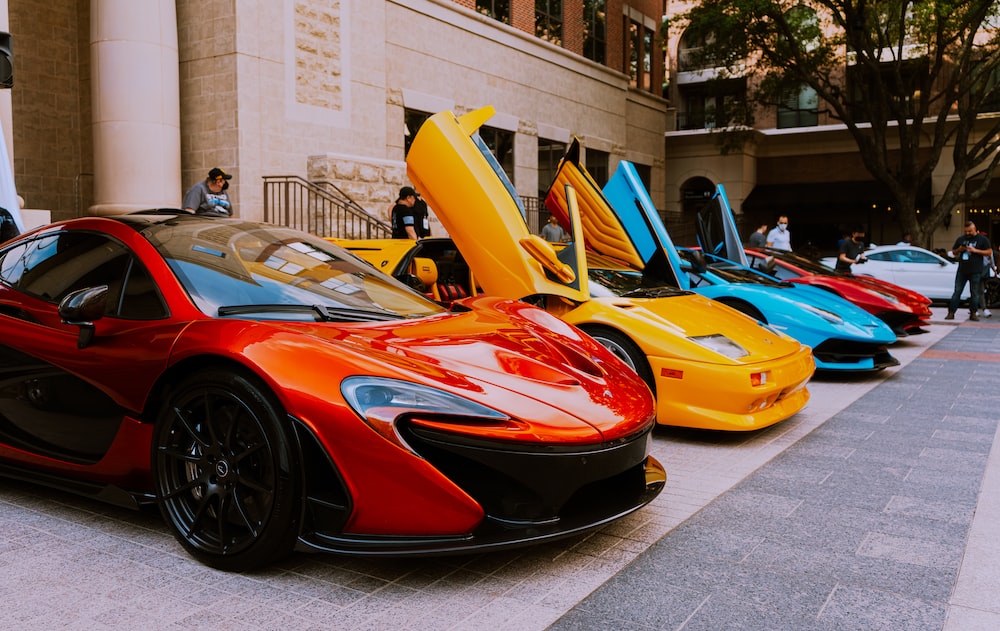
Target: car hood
x,y
901,293
795,308
454,170
504,354
689,318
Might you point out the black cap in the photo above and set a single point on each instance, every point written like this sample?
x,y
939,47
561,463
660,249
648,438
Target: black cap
x,y
406,191
217,172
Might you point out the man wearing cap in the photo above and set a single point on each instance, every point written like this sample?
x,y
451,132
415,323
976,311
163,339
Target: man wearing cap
x,y
209,197
407,221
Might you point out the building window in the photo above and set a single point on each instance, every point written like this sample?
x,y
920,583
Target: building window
x,y
550,152
645,173
632,30
990,91
597,165
647,60
799,108
711,104
595,24
898,81
501,143
548,20
692,53
497,9
412,121
639,55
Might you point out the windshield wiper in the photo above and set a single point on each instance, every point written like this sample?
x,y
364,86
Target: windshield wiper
x,y
325,313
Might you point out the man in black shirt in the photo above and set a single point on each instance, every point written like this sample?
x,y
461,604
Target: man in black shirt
x,y
852,251
970,248
403,217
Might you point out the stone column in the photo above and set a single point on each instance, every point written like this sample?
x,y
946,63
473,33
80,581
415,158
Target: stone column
x,y
136,102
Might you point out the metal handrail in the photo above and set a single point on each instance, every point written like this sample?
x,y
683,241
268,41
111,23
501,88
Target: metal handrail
x,y
320,208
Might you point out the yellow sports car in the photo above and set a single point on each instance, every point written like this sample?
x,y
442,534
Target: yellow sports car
x,y
709,366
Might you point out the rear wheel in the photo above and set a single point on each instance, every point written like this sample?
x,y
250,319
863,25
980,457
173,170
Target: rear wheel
x,y
626,350
224,471
992,287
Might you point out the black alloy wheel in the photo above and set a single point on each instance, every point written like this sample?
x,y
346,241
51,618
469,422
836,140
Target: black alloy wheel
x,y
225,472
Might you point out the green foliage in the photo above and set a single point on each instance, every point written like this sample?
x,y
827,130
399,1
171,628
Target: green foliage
x,y
906,75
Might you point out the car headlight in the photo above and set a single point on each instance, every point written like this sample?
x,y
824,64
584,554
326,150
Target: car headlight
x,y
829,316
381,401
882,295
720,344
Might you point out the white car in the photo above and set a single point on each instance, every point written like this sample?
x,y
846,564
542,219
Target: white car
x,y
911,267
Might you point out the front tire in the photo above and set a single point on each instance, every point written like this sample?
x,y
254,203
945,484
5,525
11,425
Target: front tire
x,y
224,471
622,347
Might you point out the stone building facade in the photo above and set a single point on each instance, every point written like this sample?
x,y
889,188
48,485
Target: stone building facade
x,y
124,104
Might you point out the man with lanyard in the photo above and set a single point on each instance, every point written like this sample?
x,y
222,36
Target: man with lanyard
x,y
970,248
852,251
209,197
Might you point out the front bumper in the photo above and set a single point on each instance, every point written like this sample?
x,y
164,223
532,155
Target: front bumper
x,y
529,494
723,397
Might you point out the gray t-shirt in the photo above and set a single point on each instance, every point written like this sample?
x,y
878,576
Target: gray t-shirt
x,y
205,202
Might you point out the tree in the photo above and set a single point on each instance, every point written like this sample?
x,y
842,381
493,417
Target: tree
x,y
908,79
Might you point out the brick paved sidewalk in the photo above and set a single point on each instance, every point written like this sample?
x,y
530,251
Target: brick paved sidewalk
x,y
77,564
863,524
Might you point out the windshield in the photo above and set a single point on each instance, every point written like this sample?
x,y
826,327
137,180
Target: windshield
x,y
735,274
241,269
610,280
808,265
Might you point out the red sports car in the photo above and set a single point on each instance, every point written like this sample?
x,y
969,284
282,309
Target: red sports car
x,y
905,311
266,388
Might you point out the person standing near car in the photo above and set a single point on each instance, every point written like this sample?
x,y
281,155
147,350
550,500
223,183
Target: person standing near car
x,y
552,231
209,197
989,267
852,251
781,237
409,220
757,238
970,248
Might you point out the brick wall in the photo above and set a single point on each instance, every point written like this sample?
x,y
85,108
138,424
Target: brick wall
x,y
206,33
51,104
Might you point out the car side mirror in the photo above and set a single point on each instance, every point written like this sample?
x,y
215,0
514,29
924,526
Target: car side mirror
x,y
543,252
82,308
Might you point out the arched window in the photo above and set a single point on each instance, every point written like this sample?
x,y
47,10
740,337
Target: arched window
x,y
691,52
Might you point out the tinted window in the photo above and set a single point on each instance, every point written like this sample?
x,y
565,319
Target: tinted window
x,y
783,273
53,266
232,268
140,299
916,256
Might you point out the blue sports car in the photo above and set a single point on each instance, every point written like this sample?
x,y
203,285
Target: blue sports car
x,y
621,221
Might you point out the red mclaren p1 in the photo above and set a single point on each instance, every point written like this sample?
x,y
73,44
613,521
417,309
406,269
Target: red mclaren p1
x,y
905,311
267,390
